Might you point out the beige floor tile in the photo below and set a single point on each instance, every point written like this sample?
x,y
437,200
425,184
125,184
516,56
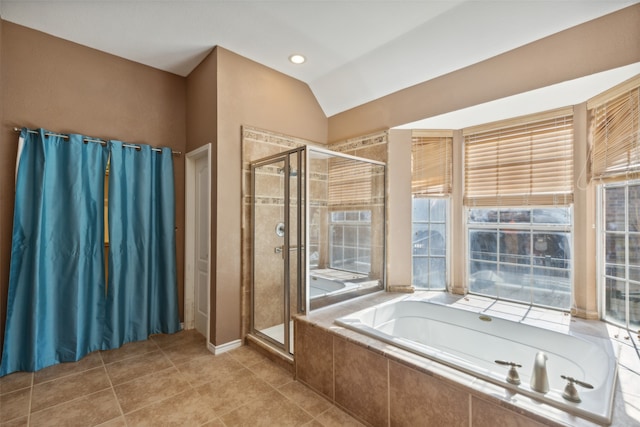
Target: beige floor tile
x,y
151,388
90,361
68,388
128,350
89,410
204,369
134,367
306,398
335,417
247,356
272,373
185,409
116,422
214,423
270,409
166,380
18,422
15,381
187,351
228,392
179,338
14,404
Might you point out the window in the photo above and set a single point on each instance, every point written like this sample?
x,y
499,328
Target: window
x,y
431,181
518,194
615,164
521,254
350,241
621,255
429,242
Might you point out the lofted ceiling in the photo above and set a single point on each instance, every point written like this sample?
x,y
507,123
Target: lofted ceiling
x,y
357,50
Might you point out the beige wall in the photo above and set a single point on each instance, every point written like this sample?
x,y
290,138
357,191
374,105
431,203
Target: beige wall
x,y
399,202
202,127
602,44
64,87
254,95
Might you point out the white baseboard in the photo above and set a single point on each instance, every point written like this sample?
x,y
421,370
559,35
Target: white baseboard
x,y
222,348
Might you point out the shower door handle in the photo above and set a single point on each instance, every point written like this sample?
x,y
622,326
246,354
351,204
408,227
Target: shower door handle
x,y
280,249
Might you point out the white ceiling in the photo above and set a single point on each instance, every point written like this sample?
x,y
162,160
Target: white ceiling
x,y
357,50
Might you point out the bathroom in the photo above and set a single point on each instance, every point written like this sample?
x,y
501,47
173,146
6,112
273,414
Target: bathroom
x,y
226,92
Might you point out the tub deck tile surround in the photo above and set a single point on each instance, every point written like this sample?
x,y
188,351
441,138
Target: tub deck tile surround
x,y
455,398
413,396
314,358
486,414
361,382
179,388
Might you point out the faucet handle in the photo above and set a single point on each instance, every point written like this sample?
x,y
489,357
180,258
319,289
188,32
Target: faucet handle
x,y
573,380
570,392
502,362
512,376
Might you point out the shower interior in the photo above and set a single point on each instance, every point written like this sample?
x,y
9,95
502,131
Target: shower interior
x,y
317,236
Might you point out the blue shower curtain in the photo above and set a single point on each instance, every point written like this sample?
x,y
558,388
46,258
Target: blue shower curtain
x,y
142,290
59,307
55,304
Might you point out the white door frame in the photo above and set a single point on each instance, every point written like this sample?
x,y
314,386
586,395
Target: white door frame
x,y
190,238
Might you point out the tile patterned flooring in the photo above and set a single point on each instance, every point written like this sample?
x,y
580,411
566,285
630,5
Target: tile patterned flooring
x,y
164,381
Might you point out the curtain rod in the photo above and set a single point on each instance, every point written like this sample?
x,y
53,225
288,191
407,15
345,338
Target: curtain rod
x,y
99,141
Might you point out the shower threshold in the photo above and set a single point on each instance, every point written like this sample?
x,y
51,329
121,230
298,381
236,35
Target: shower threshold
x,y
276,333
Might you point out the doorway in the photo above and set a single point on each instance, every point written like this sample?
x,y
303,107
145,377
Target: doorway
x,y
197,281
278,246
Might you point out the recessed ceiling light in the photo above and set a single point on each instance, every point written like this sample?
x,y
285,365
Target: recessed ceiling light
x,y
296,58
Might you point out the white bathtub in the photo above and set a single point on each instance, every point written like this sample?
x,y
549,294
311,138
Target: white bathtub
x,y
320,286
462,340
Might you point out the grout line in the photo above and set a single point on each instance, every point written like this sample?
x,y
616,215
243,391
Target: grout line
x,y
333,368
388,392
127,357
295,403
69,374
113,391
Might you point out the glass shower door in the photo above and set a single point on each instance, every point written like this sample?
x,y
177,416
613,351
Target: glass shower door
x,y
277,188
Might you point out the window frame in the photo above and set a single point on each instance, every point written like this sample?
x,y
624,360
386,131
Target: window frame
x,y
438,185
601,252
447,243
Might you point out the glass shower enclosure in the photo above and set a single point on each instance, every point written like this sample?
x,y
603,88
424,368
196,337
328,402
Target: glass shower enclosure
x,y
318,221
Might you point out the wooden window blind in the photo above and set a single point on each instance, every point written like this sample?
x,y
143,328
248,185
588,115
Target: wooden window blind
x,y
523,162
431,165
615,127
350,182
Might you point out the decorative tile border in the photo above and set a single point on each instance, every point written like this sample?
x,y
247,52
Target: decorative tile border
x,y
360,142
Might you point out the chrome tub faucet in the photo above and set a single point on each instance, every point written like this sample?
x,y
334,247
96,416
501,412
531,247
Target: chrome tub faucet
x,y
539,377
